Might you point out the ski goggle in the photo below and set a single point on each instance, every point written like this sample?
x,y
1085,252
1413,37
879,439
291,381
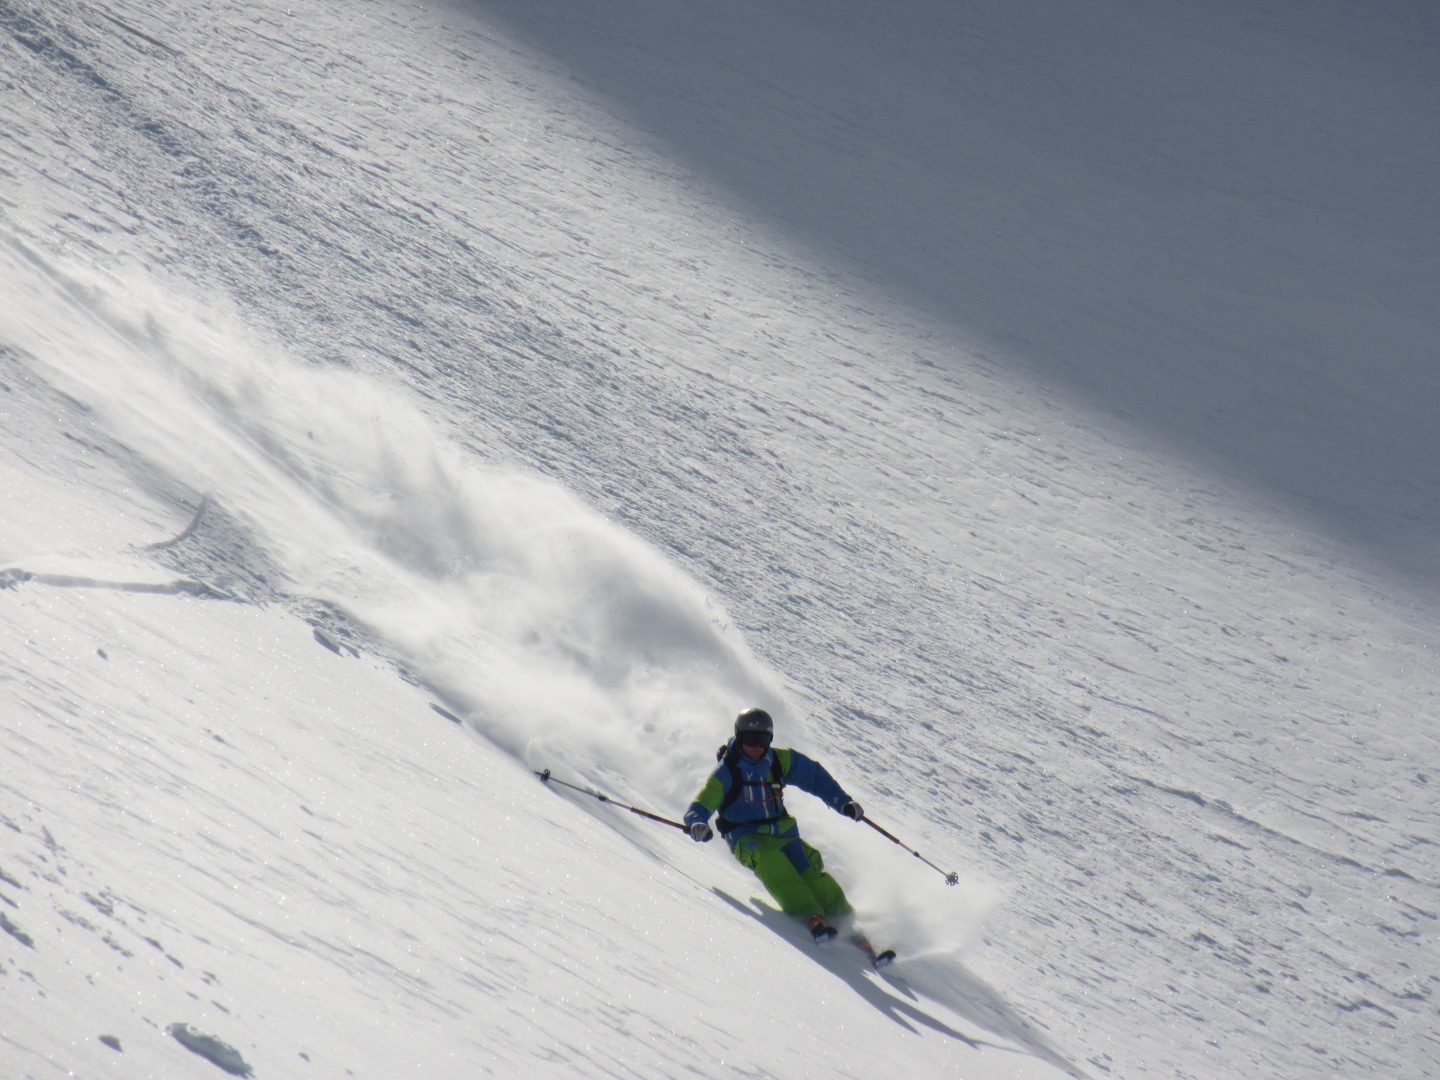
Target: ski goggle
x,y
755,738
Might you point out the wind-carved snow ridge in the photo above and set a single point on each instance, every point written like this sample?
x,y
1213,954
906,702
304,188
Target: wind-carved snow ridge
x,y
86,575
11,577
558,634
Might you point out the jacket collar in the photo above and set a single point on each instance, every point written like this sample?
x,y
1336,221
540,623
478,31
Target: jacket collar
x,y
732,747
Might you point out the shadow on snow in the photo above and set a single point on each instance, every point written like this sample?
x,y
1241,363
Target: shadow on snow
x,y
943,981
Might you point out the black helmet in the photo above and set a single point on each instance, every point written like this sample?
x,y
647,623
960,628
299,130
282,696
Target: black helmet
x,y
754,720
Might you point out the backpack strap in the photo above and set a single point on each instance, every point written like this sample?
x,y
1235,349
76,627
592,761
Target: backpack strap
x,y
730,756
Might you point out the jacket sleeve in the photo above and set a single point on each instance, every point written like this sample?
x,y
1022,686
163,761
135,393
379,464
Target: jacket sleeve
x,y
707,801
809,775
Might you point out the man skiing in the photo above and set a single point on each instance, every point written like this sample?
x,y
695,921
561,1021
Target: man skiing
x,y
746,789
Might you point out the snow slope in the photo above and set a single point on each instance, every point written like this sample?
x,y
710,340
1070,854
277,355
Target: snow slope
x,y
400,400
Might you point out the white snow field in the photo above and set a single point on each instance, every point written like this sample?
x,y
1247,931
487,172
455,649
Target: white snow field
x,y
1032,403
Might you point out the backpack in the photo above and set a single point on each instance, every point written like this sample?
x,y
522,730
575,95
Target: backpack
x,y
729,754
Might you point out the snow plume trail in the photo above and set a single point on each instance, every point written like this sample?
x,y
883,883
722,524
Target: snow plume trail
x,y
559,635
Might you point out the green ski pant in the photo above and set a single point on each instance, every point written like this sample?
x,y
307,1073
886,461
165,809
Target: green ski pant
x,y
793,873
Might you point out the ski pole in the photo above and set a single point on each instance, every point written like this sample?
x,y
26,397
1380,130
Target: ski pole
x,y
951,878
547,778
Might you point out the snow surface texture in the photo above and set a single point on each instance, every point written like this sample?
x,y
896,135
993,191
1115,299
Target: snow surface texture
x,y
1032,403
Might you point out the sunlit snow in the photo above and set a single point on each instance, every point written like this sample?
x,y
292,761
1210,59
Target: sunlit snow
x,y
1031,404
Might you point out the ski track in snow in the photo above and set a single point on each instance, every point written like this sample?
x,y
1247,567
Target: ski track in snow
x,y
1190,730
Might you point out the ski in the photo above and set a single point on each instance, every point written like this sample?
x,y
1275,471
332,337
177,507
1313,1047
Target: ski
x,y
819,930
879,959
823,933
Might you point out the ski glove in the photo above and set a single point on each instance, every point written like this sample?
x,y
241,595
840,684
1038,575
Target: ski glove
x,y
700,832
852,810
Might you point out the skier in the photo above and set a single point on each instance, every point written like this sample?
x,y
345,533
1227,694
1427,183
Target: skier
x,y
746,789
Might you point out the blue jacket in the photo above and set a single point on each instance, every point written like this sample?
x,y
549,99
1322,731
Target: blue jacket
x,y
758,808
